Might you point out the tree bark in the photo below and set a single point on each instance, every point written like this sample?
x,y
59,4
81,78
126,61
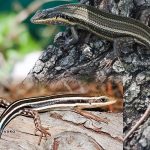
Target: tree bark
x,y
68,131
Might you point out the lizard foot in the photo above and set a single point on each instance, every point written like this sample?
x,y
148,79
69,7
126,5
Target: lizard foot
x,y
44,132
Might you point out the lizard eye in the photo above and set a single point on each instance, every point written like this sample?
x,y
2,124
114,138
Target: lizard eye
x,y
58,15
42,14
103,99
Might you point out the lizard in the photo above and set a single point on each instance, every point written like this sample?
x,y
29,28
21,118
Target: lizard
x,y
31,106
103,24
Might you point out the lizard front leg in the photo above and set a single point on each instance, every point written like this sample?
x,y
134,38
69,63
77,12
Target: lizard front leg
x,y
79,110
89,115
74,39
4,103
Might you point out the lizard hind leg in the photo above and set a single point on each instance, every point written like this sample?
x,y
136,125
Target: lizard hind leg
x,y
38,126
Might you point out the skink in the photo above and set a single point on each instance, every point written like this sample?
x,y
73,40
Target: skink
x,y
42,104
105,25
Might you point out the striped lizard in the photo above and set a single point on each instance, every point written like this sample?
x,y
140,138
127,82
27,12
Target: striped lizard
x,y
30,107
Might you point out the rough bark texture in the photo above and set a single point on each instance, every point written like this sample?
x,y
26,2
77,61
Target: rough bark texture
x,y
68,131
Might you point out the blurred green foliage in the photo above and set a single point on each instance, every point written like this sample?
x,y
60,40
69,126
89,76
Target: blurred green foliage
x,y
17,37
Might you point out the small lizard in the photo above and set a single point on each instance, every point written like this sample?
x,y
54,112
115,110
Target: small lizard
x,y
105,25
31,106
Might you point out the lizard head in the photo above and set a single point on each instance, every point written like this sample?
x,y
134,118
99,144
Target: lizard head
x,y
57,15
